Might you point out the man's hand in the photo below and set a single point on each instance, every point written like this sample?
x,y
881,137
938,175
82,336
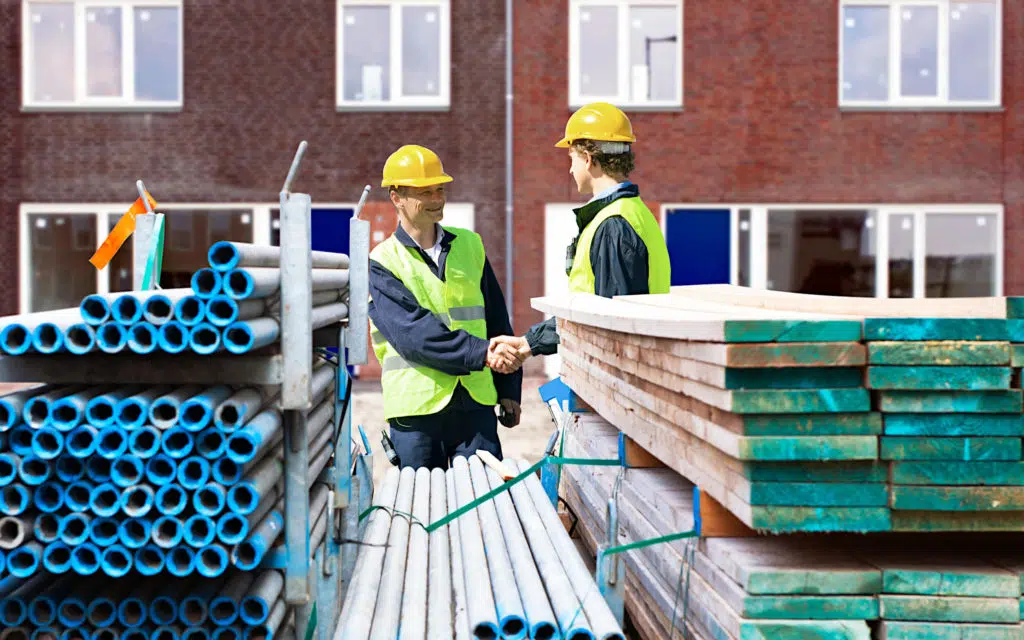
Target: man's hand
x,y
521,346
502,358
512,413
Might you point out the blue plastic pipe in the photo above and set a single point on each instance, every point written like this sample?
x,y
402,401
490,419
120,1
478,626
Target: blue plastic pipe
x,y
143,338
24,561
150,560
204,339
47,443
72,612
112,337
126,309
224,608
103,531
181,561
105,500
223,310
49,497
116,561
165,410
112,442
247,555
47,527
131,612
134,533
10,465
32,470
195,633
168,532
160,470
226,471
211,443
232,528
144,442
14,499
247,335
36,411
241,407
98,469
16,339
95,310
74,529
163,609
85,559
177,443
244,496
101,612
101,410
212,561
137,501
76,498
82,442
173,337
79,339
171,500
196,412
206,283
200,531
127,470
159,309
134,410
262,431
12,405
210,500
193,472
20,440
70,411
137,633
190,311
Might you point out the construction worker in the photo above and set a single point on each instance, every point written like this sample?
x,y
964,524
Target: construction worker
x,y
620,249
435,304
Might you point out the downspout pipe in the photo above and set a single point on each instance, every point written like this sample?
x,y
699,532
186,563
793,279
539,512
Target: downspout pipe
x,y
509,214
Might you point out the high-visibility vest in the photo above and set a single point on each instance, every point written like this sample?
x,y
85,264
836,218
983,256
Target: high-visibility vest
x,y
636,213
411,389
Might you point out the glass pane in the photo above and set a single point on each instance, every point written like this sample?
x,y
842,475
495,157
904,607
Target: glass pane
x,y
743,248
421,51
157,49
865,53
901,255
972,57
189,236
275,227
59,252
654,60
919,51
822,252
367,53
599,51
960,255
103,52
119,272
53,51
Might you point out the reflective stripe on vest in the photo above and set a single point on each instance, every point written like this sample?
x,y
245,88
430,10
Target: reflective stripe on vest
x,y
411,389
636,213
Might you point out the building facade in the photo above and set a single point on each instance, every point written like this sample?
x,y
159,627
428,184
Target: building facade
x,y
854,147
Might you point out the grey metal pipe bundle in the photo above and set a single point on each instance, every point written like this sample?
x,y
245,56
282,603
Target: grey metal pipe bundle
x,y
225,256
261,282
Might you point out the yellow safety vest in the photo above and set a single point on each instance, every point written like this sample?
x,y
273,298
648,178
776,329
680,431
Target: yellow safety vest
x,y
636,213
411,389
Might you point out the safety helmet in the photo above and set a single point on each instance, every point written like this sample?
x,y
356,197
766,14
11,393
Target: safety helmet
x,y
413,166
597,121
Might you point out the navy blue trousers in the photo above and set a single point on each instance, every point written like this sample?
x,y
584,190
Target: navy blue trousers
x,y
460,429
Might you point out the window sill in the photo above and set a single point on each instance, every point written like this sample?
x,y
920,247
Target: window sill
x,y
102,108
378,107
636,108
943,108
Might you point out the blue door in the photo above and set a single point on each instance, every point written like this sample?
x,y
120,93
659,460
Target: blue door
x,y
329,232
698,245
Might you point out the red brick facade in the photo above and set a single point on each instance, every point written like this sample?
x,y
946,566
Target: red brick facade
x,y
761,123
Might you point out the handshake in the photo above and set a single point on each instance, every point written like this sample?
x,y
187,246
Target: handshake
x,y
507,353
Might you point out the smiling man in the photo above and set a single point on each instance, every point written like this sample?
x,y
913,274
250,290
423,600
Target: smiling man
x,y
435,307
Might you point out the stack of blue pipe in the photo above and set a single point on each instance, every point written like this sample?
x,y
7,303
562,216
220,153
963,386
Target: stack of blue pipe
x,y
229,309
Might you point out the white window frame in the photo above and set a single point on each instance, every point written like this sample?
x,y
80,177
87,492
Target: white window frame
x,y
942,100
622,97
759,236
82,102
397,101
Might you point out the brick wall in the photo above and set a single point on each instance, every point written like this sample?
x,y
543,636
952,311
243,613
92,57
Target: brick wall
x,y
259,77
761,124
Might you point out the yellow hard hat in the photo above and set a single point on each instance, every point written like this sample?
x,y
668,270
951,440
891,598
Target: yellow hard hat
x,y
597,121
413,166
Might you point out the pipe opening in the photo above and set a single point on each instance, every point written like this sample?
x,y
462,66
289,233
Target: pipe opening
x,y
172,499
193,470
161,468
158,307
228,471
150,558
104,634
211,442
142,337
105,530
581,635
38,412
12,611
86,556
7,415
79,337
199,529
223,255
130,413
118,559
221,310
132,612
242,447
15,498
485,631
164,634
47,441
212,559
17,633
100,411
128,470
205,339
16,339
163,610
260,632
21,561
75,528
230,414
47,527
210,499
111,335
189,309
99,468
74,634
227,633
512,627
10,529
223,611
239,283
134,634
136,501
193,611
65,413
70,468
32,468
101,612
135,531
168,531
112,441
144,441
232,527
204,281
244,498
255,610
127,309
164,411
43,610
49,497
194,413
239,337
47,337
72,613
181,558
81,441
78,495
246,554
105,498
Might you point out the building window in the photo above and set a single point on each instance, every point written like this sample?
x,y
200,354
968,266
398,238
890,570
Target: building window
x,y
110,54
393,53
919,54
58,255
625,52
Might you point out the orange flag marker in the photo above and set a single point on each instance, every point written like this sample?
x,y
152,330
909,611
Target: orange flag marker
x,y
124,228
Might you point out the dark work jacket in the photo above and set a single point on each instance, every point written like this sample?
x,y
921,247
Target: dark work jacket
x,y
617,255
420,337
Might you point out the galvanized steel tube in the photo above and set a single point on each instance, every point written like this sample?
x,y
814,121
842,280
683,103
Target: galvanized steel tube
x,y
14,531
189,311
247,335
439,601
480,605
225,256
414,596
261,282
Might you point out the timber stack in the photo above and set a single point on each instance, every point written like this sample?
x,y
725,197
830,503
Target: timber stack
x,y
768,419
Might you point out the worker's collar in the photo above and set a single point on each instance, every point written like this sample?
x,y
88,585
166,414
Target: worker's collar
x,y
444,237
589,211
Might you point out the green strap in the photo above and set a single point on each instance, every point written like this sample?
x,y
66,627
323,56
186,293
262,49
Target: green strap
x,y
557,460
311,625
672,537
155,259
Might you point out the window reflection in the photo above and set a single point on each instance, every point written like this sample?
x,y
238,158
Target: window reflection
x,y
901,255
960,255
188,237
59,250
822,252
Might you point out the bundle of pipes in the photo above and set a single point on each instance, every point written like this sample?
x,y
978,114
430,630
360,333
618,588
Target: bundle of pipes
x,y
237,606
183,480
233,306
504,569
